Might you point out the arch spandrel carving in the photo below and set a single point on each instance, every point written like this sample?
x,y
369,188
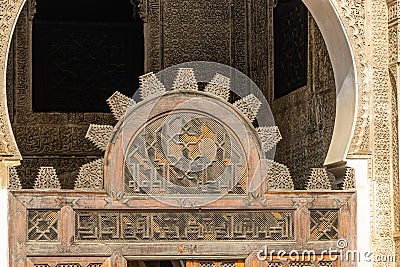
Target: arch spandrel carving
x,y
10,11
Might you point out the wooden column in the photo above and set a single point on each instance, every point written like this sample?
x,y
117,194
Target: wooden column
x,y
302,222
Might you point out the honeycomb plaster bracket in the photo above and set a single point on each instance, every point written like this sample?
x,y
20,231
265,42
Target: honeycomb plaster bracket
x,y
349,180
319,179
249,106
14,181
269,136
90,176
185,80
279,177
150,85
99,135
47,179
219,86
118,104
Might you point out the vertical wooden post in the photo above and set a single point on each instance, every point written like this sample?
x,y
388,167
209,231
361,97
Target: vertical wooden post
x,y
4,249
67,227
253,261
116,260
347,227
16,241
302,222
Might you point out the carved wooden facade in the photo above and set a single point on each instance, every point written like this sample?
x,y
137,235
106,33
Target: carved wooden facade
x,y
366,24
186,176
60,227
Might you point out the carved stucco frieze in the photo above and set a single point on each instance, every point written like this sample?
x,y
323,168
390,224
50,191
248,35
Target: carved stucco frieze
x,y
375,45
382,206
352,14
395,148
394,52
349,180
8,15
185,80
393,10
118,104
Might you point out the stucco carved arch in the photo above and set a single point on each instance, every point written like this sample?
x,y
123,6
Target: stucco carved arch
x,y
9,11
338,48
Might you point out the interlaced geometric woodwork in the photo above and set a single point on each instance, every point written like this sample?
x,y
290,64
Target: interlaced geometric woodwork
x,y
219,86
90,176
349,180
71,265
207,264
43,225
318,179
103,226
249,106
47,179
185,153
78,265
118,104
324,225
150,85
301,264
67,261
14,182
269,136
279,177
99,135
214,263
228,264
185,80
